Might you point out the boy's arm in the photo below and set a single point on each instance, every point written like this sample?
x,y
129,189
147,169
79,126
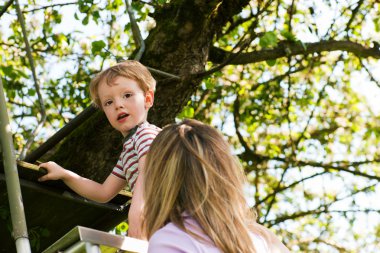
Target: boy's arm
x,y
137,205
83,186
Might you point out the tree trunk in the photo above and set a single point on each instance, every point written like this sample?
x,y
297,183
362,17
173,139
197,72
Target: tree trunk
x,y
179,44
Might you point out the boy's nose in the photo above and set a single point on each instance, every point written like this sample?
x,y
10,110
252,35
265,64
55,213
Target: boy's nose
x,y
118,104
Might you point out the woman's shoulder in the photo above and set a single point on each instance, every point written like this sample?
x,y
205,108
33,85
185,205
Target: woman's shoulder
x,y
269,240
260,243
169,229
171,238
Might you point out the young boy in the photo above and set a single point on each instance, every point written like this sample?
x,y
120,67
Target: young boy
x,y
125,92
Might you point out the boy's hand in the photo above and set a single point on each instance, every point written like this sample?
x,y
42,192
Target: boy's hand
x,y
53,170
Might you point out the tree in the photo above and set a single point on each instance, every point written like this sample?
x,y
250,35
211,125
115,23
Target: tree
x,y
279,78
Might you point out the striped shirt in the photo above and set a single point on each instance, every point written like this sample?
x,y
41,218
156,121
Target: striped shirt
x,y
134,147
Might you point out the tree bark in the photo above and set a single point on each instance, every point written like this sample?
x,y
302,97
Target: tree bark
x,y
179,44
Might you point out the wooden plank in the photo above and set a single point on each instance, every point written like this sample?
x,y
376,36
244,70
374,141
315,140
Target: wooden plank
x,y
34,167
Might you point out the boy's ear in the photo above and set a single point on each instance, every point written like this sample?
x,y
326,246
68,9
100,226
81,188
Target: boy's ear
x,y
149,99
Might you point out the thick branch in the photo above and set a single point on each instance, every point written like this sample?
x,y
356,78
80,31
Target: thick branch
x,y
337,165
286,49
5,8
317,212
324,208
135,31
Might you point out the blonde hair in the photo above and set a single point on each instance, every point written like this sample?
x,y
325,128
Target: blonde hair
x,y
190,168
129,69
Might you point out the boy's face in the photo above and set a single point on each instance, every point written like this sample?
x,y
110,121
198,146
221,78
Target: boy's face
x,y
124,103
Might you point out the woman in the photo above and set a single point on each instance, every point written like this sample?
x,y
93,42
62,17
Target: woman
x,y
194,199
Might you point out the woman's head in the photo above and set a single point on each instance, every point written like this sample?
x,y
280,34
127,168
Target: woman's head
x,y
190,168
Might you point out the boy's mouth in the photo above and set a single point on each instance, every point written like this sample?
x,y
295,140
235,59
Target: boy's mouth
x,y
122,116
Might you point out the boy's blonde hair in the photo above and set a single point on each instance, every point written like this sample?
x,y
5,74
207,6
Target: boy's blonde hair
x,y
190,168
129,69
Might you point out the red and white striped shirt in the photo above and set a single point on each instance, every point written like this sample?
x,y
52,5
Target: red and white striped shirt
x,y
134,148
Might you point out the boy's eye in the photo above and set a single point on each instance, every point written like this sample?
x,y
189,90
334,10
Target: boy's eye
x,y
107,103
127,95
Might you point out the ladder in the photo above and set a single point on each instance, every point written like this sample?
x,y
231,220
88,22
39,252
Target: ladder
x,y
86,240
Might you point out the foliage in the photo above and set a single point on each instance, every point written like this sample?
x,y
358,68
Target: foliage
x,y
6,216
36,234
289,98
121,229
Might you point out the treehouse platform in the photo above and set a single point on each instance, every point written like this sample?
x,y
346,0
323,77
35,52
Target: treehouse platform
x,y
52,210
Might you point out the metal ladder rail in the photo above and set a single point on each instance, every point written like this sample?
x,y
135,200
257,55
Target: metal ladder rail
x,y
20,231
82,239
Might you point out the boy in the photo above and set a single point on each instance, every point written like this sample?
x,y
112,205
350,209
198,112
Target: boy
x,y
125,92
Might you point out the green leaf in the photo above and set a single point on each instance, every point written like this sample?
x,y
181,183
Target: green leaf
x,y
7,70
31,92
4,212
96,16
376,24
268,40
288,35
188,112
45,232
97,46
271,62
121,228
85,20
209,84
127,27
57,17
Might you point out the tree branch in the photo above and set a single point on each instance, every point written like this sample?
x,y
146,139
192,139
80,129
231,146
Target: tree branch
x,y
5,8
49,6
324,208
336,165
352,18
241,45
320,97
318,212
36,84
135,32
331,243
286,49
371,76
295,183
